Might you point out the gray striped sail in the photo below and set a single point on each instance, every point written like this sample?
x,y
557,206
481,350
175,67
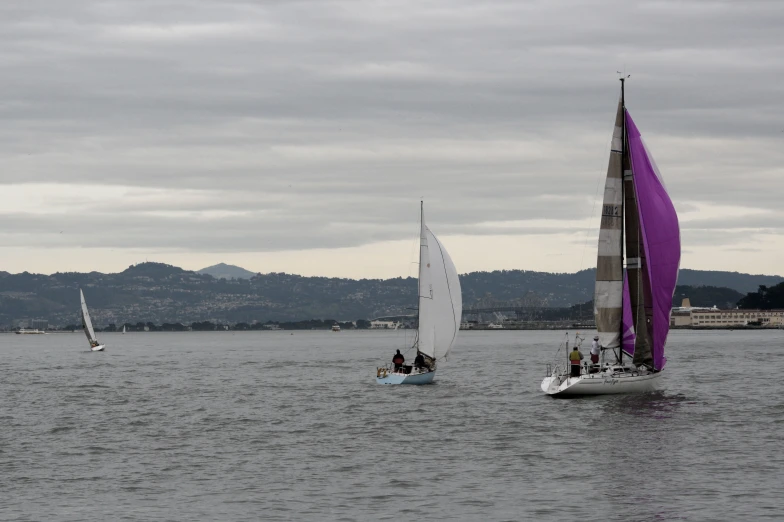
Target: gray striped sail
x,y
607,299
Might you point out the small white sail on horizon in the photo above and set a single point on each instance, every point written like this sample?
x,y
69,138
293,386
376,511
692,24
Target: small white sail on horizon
x,y
87,325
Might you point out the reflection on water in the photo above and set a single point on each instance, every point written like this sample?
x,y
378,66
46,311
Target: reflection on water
x,y
657,404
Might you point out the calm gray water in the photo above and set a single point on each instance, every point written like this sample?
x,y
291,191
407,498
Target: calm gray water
x,y
273,426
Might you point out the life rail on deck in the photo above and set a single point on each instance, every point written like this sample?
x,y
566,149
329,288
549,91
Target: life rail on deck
x,y
390,370
562,370
559,368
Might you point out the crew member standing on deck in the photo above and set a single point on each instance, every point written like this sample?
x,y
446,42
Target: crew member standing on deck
x,y
398,360
574,358
595,350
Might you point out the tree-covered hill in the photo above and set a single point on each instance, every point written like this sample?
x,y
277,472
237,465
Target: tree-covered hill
x,y
737,281
765,298
224,271
160,293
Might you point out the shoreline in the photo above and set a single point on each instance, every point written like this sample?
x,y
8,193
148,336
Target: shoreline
x,y
517,329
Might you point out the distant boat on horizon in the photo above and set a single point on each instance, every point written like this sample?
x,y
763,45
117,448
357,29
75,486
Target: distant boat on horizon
x,y
87,325
30,331
632,304
123,329
335,327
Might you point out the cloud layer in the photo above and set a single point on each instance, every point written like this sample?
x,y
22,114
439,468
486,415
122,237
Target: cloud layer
x,y
203,130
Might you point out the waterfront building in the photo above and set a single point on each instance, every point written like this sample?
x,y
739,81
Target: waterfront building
x,y
376,324
736,317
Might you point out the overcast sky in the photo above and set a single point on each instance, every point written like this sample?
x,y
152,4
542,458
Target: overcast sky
x,y
300,135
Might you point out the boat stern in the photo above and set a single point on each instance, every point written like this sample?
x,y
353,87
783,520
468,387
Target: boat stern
x,y
552,384
383,376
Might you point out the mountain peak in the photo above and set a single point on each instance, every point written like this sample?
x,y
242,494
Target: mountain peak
x,y
152,269
222,270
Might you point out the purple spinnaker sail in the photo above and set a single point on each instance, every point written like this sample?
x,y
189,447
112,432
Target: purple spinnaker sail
x,y
627,321
661,238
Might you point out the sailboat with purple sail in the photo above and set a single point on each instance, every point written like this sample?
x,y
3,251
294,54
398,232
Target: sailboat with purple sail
x,y
633,294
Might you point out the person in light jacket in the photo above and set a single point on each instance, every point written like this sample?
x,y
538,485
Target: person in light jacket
x,y
595,350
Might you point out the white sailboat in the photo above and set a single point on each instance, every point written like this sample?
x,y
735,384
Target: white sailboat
x,y
87,325
123,329
632,304
439,311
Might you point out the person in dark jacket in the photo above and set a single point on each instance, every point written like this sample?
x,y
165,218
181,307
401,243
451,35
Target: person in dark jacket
x,y
398,360
419,362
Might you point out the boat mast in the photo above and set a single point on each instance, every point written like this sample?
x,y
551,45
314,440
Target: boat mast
x,y
419,275
623,196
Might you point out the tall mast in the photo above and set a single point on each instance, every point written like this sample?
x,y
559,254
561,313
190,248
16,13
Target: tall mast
x,y
419,275
623,196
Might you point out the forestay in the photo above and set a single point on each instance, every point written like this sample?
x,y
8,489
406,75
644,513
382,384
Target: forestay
x,y
440,299
628,336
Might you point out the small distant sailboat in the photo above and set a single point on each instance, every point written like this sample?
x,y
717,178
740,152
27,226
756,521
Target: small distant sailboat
x,y
632,306
123,329
439,311
87,325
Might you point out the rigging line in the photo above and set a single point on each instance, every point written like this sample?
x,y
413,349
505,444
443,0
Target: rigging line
x,y
641,254
593,208
640,289
414,244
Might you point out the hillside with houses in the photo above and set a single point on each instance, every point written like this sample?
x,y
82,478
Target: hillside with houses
x,y
159,293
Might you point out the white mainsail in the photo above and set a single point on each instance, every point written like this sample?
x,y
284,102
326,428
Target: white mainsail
x,y
440,298
87,324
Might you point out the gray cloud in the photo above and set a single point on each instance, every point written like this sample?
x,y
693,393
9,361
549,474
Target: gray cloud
x,y
317,124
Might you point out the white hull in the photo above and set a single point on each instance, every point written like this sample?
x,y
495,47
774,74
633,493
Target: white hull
x,y
98,348
403,378
599,384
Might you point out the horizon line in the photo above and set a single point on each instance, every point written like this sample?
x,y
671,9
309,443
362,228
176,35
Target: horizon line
x,y
355,279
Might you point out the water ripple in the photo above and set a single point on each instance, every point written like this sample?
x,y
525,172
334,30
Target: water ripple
x,y
276,427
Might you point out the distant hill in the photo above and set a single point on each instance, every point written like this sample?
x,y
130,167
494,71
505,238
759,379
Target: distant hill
x,y
159,293
707,296
743,283
224,271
